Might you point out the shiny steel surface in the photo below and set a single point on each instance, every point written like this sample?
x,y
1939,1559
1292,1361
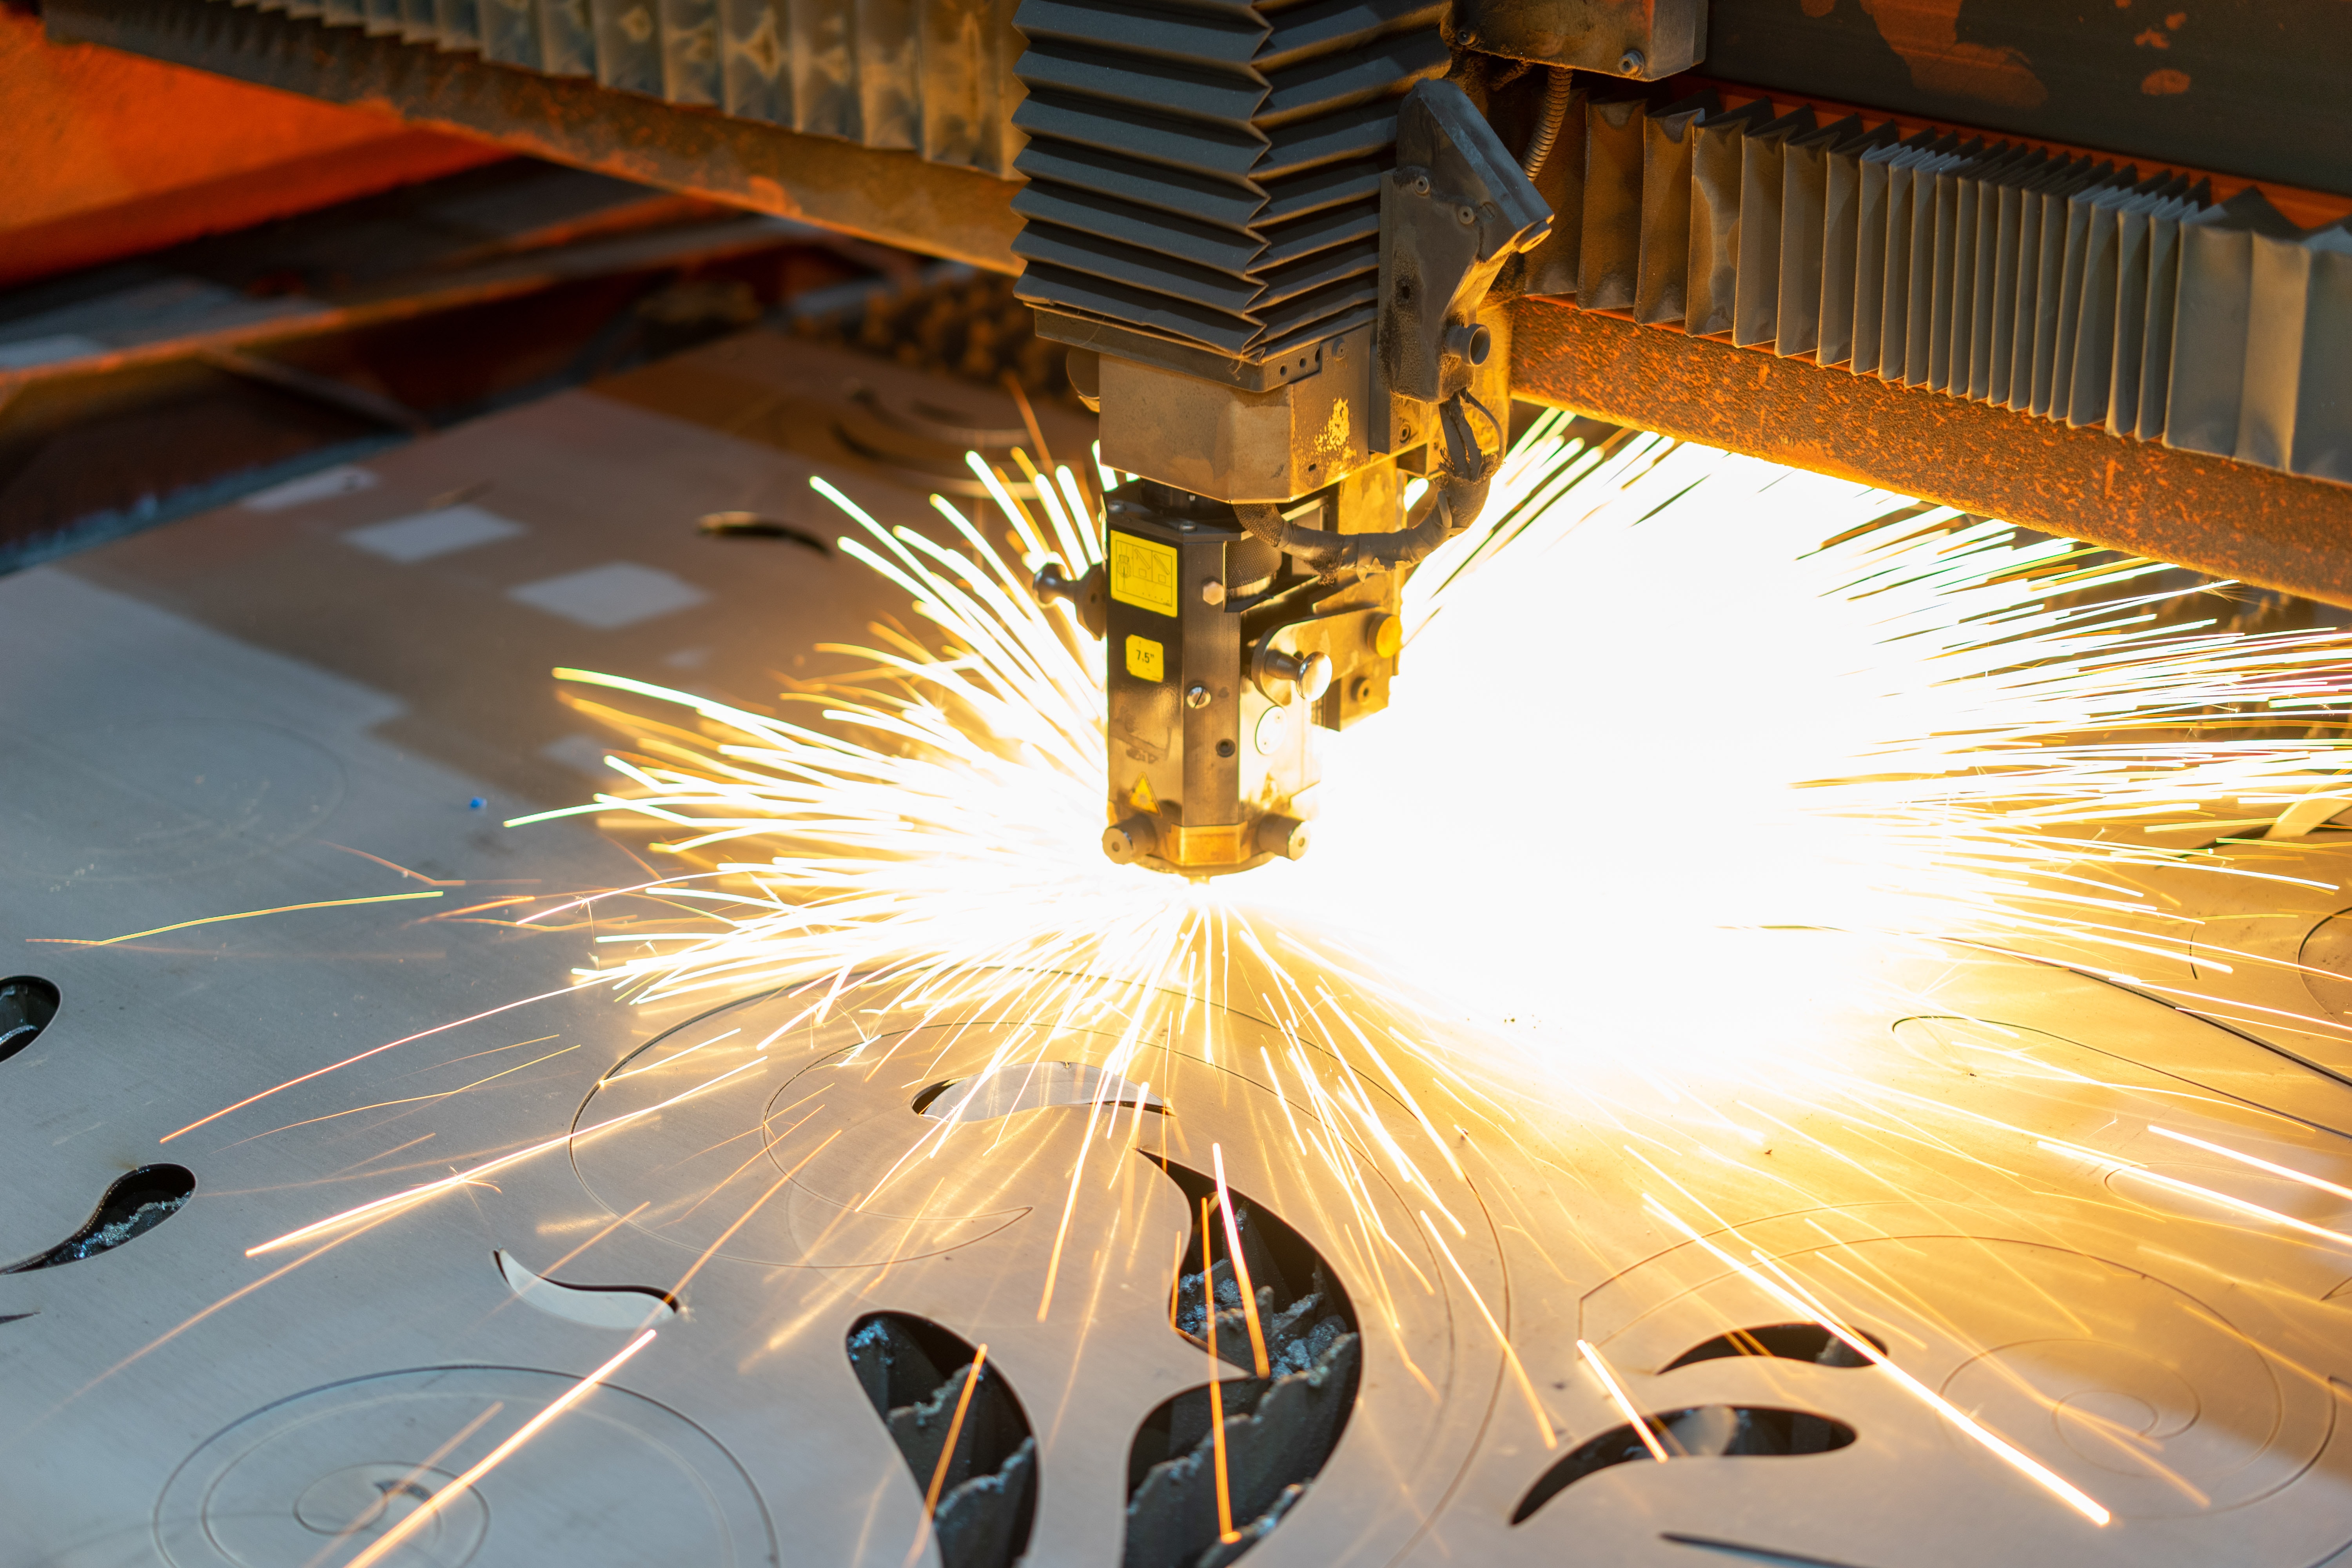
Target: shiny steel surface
x,y
240,712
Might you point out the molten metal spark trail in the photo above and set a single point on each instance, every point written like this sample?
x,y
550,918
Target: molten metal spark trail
x,y
1854,712
1905,729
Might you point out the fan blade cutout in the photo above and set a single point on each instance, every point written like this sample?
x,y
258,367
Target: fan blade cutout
x,y
624,1307
133,1206
28,1003
1212,1472
1697,1432
965,1435
1790,1342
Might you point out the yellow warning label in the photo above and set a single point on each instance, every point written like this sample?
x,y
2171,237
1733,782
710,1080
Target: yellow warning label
x,y
1140,796
1143,573
1146,660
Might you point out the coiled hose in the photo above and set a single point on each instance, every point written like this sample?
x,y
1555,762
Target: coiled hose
x,y
1555,110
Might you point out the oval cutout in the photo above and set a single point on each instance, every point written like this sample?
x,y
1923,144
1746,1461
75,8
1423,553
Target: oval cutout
x,y
1030,1086
28,1003
132,1206
1790,1342
1697,1432
623,1306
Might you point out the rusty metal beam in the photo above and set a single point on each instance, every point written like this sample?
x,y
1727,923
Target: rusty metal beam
x,y
2229,520
894,197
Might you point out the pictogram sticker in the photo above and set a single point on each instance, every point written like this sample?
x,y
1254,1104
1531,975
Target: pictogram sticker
x,y
1143,573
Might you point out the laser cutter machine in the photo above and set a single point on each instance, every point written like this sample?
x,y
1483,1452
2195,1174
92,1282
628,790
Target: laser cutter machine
x,y
2085,270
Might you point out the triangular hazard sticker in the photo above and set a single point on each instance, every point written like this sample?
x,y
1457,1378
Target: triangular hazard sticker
x,y
1140,796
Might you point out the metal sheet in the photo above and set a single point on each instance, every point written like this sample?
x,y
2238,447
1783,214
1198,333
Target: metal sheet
x,y
239,711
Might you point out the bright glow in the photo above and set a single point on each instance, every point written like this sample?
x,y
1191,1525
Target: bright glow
x,y
1656,695
1893,731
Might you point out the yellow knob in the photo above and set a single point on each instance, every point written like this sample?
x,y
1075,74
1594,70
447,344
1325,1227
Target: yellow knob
x,y
1387,636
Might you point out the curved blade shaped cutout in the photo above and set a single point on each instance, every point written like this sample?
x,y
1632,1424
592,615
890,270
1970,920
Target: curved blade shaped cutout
x,y
1276,1431
1790,1342
1698,1432
1030,1086
28,1003
624,1307
133,1206
965,1437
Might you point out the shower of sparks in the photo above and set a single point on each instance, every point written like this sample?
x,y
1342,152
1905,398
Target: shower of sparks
x,y
1658,694
1673,699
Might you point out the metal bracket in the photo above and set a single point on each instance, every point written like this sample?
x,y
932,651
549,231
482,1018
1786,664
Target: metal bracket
x,y
1455,209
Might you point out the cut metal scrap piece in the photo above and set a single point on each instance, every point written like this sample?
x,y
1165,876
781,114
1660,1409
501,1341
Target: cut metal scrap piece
x,y
625,1308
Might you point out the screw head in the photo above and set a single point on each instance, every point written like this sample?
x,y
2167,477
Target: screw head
x,y
1631,62
1421,185
1196,695
1213,592
1119,844
1465,215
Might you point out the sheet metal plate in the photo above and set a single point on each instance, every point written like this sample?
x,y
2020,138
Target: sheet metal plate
x,y
239,711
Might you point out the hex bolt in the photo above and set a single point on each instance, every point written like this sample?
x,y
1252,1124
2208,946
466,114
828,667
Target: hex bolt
x,y
1213,592
1196,695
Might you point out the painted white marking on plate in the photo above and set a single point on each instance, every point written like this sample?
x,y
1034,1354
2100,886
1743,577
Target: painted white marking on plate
x,y
429,534
619,593
343,479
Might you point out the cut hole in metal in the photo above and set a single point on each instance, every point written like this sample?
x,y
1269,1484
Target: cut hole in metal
x,y
1030,1086
623,1306
133,1206
753,525
1277,1430
28,1003
966,1442
1698,1432
1790,1342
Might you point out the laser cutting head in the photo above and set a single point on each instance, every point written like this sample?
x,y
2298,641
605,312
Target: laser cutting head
x,y
1223,658
1251,585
